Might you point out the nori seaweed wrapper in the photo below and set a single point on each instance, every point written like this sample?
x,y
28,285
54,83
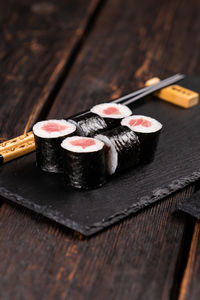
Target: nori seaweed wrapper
x,y
49,153
112,122
85,170
88,124
148,145
127,146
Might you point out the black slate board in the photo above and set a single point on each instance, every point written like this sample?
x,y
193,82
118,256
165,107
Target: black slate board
x,y
176,165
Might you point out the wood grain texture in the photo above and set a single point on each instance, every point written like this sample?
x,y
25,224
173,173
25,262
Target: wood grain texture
x,y
120,55
133,260
142,257
37,40
190,288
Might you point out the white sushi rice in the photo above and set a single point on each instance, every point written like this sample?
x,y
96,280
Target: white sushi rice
x,y
155,125
37,129
123,109
111,154
66,144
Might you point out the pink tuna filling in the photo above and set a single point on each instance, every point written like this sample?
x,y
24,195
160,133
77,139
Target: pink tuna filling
x,y
53,127
142,122
111,111
84,143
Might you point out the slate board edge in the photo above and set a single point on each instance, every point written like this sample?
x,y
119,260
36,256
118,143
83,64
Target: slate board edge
x,y
189,211
158,194
37,208
188,206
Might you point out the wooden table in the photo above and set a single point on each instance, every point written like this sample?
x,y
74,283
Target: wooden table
x,y
59,57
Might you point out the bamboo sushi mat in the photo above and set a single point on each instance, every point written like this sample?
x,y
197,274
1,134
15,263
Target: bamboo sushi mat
x,y
176,165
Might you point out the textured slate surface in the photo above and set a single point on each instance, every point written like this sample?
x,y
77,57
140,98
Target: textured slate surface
x,y
175,166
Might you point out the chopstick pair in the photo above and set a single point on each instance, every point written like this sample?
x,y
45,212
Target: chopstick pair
x,y
24,144
16,147
132,97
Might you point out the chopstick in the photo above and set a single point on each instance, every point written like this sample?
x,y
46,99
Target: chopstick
x,y
24,138
155,88
132,97
143,91
24,144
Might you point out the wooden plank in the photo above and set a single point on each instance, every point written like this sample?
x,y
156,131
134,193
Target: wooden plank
x,y
139,258
190,288
121,55
133,260
37,41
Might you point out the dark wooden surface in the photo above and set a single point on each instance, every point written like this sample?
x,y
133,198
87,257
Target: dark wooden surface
x,y
190,283
58,58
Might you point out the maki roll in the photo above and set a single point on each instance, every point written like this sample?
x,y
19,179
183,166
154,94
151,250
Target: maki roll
x,y
84,162
148,131
112,113
122,149
48,136
88,124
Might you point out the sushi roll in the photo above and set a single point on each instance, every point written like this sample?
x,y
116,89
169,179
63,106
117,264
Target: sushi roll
x,y
88,124
84,162
122,149
48,136
112,113
148,131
